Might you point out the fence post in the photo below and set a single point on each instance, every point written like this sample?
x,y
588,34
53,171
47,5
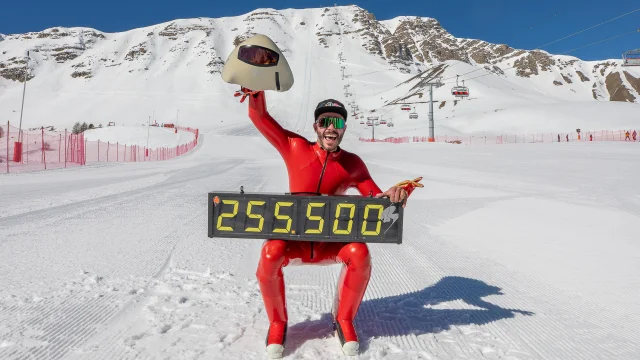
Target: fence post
x,y
107,151
44,158
65,148
8,131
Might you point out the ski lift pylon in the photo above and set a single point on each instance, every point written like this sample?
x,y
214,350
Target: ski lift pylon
x,y
460,91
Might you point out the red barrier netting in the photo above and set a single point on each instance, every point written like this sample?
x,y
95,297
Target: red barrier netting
x,y
42,149
585,136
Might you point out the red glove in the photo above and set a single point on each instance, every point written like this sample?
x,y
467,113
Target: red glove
x,y
244,92
410,185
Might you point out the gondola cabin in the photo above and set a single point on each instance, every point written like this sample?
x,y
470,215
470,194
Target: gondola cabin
x,y
405,108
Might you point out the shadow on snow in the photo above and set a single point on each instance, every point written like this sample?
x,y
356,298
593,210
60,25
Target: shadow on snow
x,y
411,313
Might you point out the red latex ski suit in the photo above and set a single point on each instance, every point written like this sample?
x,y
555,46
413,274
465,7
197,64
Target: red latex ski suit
x,y
305,161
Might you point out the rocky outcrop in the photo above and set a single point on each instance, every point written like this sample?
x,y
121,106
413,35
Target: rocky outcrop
x,y
617,90
371,31
534,62
583,78
83,74
136,52
216,65
635,82
14,69
173,30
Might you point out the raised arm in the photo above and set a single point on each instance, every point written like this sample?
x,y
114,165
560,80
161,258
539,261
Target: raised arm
x,y
268,126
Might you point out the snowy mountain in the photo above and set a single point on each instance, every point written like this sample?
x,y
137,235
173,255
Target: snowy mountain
x,y
80,73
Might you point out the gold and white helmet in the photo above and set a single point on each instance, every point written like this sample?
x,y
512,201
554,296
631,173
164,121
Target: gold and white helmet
x,y
258,64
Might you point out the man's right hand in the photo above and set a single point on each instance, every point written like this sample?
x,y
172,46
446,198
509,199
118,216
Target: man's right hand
x,y
244,92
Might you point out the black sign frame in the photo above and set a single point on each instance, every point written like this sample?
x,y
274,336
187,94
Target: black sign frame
x,y
287,216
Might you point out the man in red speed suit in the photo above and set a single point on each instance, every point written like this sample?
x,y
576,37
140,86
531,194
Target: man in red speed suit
x,y
319,167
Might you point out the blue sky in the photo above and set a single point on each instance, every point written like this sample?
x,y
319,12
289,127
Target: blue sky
x,y
517,23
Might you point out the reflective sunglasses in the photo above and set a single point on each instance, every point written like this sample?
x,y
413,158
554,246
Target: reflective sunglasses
x,y
337,122
258,55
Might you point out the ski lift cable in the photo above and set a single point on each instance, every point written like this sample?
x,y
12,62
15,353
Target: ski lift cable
x,y
589,28
373,72
601,41
581,31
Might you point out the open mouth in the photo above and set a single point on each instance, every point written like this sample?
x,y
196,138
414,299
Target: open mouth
x,y
331,137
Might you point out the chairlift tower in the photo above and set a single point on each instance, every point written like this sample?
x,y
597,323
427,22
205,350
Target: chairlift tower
x,y
374,123
437,83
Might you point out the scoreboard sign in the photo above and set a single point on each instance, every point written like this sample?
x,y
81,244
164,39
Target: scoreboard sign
x,y
302,217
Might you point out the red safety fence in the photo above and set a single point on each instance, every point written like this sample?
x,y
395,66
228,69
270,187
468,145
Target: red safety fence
x,y
601,135
42,149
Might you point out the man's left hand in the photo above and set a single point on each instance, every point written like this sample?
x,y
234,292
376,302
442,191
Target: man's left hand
x,y
396,194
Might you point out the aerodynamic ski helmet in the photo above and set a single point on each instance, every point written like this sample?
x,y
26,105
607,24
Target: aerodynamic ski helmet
x,y
258,64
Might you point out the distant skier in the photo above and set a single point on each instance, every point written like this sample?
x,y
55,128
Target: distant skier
x,y
558,137
634,135
567,137
626,136
590,137
319,167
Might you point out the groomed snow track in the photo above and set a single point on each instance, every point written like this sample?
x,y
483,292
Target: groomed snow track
x,y
132,275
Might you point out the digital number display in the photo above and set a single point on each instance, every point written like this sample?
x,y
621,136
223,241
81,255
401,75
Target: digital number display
x,y
306,218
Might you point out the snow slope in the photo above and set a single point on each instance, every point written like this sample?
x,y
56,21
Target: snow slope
x,y
521,251
175,66
137,135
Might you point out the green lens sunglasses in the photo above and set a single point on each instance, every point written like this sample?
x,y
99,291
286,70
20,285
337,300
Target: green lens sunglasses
x,y
337,122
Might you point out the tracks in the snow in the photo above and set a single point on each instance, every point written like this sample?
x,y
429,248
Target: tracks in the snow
x,y
71,305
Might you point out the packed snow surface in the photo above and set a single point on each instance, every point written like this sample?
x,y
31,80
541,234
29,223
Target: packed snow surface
x,y
518,251
138,135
